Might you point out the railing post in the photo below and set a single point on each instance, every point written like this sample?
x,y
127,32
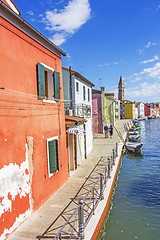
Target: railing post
x,y
81,220
93,200
101,186
60,236
105,176
111,163
116,149
109,168
113,157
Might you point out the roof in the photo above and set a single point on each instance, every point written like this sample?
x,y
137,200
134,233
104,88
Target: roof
x,y
109,94
96,91
72,120
11,4
121,83
12,17
77,74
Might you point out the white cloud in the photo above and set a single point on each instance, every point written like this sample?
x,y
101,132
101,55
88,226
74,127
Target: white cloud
x,y
153,72
30,13
144,91
115,63
150,60
67,21
148,45
138,78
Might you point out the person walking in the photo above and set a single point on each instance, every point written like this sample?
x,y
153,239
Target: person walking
x,y
106,131
111,131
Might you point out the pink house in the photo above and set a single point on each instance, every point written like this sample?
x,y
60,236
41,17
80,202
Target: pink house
x,y
97,111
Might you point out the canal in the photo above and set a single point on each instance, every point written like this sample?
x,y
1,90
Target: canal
x,y
135,207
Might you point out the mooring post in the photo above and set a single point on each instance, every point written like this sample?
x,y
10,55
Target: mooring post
x,y
101,186
109,168
81,220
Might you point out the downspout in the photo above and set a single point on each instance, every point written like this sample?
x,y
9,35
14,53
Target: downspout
x,y
70,84
85,147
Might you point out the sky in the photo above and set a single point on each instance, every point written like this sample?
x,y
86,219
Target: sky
x,y
104,39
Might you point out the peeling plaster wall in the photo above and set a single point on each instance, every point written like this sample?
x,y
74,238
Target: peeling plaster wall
x,y
14,187
30,148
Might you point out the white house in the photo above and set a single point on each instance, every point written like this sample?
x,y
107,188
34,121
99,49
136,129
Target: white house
x,y
140,106
78,96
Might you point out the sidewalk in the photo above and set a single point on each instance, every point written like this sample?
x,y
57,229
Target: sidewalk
x,y
39,221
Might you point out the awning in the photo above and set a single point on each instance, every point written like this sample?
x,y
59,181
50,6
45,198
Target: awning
x,y
72,120
76,130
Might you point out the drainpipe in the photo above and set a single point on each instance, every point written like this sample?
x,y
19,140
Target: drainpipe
x,y
70,84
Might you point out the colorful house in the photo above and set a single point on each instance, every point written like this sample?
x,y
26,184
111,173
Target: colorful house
x,y
78,97
108,107
146,110
34,157
117,109
141,110
129,110
97,111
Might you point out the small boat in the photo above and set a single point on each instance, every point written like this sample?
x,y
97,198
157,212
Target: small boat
x,y
134,146
134,138
134,132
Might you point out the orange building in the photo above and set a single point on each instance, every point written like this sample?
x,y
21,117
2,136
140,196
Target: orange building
x,y
34,157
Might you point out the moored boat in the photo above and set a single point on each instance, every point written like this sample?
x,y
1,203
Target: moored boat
x,y
134,146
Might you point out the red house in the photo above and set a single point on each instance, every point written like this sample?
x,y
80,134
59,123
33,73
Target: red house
x,y
34,157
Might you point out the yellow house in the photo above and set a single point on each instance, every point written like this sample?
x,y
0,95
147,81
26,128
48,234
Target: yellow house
x,y
129,110
108,107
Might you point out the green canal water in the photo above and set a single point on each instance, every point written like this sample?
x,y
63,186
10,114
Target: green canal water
x,y
135,207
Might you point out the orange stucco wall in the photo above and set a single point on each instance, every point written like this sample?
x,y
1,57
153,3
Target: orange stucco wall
x,y
23,116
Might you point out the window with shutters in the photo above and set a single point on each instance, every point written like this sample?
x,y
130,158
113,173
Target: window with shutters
x,y
53,157
48,83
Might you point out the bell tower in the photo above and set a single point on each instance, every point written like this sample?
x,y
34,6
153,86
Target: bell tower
x,y
121,89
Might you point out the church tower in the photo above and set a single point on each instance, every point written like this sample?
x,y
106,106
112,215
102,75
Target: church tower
x,y
121,89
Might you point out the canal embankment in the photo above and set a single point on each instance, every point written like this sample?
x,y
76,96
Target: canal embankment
x,y
60,213
135,205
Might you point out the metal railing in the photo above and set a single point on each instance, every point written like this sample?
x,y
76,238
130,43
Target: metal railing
x,y
72,221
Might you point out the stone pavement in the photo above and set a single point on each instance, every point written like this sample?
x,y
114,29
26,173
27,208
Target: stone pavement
x,y
39,221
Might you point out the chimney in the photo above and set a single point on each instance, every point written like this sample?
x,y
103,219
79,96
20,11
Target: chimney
x,y
102,89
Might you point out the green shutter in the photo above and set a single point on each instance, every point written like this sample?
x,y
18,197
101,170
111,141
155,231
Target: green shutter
x,y
41,81
53,156
56,85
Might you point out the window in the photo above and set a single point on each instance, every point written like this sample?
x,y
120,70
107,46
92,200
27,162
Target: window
x,y
48,83
52,153
88,95
84,93
77,87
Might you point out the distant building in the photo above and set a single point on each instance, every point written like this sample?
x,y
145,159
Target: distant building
x,y
108,107
97,111
121,89
129,110
117,109
141,110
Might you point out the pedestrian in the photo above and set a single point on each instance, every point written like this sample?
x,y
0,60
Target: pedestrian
x,y
106,131
111,131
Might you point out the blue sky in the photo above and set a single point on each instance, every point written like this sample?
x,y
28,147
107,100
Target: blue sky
x,y
105,39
